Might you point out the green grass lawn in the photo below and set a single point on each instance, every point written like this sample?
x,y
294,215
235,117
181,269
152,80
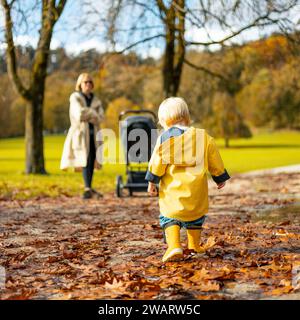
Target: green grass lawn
x,y
266,150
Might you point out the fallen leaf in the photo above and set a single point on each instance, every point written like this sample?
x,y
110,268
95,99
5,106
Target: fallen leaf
x,y
280,291
207,286
211,241
69,254
115,285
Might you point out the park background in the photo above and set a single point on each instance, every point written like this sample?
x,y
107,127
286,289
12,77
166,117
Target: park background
x,y
236,63
244,91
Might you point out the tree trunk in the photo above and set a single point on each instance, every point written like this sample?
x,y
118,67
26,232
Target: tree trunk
x,y
226,142
175,48
168,66
34,95
172,71
34,139
34,113
180,45
168,72
34,136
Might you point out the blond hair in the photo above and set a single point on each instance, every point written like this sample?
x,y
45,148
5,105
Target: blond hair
x,y
172,111
81,78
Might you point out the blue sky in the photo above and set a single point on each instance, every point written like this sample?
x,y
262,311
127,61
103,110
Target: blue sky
x,y
75,35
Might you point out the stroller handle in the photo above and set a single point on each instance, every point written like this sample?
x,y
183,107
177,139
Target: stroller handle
x,y
125,113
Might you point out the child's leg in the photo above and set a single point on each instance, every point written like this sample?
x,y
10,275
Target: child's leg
x,y
174,251
194,236
193,230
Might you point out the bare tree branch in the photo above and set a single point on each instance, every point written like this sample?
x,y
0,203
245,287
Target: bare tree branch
x,y
148,9
206,70
60,7
11,52
162,7
253,24
139,42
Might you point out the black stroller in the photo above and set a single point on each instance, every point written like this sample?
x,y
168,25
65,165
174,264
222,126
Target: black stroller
x,y
136,158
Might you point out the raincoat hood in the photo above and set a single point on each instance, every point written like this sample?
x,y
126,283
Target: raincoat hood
x,y
183,150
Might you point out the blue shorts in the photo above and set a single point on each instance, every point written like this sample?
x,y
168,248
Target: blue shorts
x,y
167,222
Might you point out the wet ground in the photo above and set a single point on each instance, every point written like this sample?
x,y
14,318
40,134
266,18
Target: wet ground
x,y
278,214
68,248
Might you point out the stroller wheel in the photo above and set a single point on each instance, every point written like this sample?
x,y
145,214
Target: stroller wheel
x,y
119,186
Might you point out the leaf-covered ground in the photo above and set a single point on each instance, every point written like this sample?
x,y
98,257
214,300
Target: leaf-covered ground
x,y
69,248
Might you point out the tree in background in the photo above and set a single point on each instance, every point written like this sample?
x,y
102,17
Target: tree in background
x,y
59,85
227,121
263,83
178,23
270,83
286,96
7,101
123,76
222,116
114,109
32,91
272,97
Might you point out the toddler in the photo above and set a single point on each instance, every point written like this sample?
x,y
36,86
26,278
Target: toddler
x,y
179,163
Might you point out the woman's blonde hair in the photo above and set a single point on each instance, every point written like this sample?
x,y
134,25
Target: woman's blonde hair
x,y
173,110
81,77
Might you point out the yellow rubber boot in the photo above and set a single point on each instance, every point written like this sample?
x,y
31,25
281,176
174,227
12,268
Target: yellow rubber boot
x,y
193,236
174,251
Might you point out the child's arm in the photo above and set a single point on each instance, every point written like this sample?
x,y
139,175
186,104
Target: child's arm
x,y
216,165
221,185
152,189
156,170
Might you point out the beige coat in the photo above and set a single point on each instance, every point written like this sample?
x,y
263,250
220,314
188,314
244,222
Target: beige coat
x,y
76,147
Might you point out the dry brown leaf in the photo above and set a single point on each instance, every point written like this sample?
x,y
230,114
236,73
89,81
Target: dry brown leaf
x,y
80,256
280,291
200,275
115,285
207,286
52,259
211,241
285,283
69,254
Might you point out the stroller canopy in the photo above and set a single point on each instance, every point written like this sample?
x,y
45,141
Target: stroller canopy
x,y
138,136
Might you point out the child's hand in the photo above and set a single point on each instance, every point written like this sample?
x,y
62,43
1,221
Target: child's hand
x,y
152,189
221,185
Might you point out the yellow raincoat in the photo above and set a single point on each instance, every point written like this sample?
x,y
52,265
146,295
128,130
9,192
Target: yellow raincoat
x,y
182,162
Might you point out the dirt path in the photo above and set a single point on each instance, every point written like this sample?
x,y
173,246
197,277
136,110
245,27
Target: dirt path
x,y
69,248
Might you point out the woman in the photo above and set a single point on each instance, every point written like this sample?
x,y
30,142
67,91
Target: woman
x,y
86,114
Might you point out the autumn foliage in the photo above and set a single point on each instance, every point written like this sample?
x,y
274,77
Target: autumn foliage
x,y
256,85
112,248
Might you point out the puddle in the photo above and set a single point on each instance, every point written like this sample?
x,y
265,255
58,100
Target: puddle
x,y
278,214
243,291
